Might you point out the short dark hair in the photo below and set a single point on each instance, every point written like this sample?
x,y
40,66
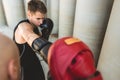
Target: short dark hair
x,y
37,5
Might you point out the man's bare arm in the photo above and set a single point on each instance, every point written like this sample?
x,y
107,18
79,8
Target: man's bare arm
x,y
27,33
37,43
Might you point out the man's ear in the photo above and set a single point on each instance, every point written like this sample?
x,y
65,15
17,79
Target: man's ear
x,y
29,13
13,70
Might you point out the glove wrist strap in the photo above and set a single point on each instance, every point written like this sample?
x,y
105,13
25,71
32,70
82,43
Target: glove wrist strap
x,y
94,76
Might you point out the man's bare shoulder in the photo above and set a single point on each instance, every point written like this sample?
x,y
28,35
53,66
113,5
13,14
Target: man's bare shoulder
x,y
25,25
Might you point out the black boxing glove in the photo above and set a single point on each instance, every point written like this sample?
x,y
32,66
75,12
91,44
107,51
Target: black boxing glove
x,y
47,27
41,46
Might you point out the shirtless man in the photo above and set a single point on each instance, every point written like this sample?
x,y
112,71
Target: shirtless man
x,y
9,59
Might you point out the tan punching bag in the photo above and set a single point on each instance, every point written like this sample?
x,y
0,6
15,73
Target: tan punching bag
x,y
48,3
55,15
109,62
66,17
14,11
91,20
25,6
2,15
